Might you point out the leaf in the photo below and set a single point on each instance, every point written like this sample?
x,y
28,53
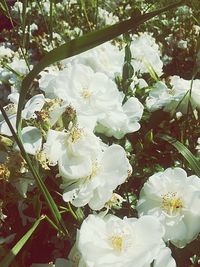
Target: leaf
x,y
19,245
80,45
185,152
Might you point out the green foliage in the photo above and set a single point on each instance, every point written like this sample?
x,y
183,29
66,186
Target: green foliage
x,y
193,162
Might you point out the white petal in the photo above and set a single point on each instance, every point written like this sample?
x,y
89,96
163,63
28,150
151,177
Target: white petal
x,y
4,128
164,259
14,97
34,104
74,167
54,146
31,139
115,166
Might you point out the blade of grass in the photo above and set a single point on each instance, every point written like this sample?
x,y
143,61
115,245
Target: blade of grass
x,y
19,245
85,13
82,44
49,200
185,152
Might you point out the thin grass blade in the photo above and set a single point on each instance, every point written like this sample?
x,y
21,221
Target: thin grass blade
x,y
19,245
185,152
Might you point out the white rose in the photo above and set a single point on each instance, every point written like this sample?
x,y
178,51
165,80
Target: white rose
x,y
174,199
105,58
110,169
111,241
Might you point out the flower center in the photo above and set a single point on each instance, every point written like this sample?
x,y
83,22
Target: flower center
x,y
94,172
86,93
75,134
116,242
171,203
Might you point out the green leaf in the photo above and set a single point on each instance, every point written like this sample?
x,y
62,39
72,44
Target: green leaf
x,y
82,44
2,7
19,245
185,152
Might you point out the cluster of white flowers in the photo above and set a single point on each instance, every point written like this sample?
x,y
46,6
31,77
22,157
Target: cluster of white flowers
x,y
168,210
60,129
90,170
94,95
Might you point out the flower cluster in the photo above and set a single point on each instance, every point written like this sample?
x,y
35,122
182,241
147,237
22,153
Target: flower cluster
x,y
81,128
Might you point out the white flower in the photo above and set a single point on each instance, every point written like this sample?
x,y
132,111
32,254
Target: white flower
x,y
105,58
180,85
182,44
174,199
47,81
161,96
18,7
33,27
5,52
109,170
175,98
90,170
73,150
111,241
90,94
123,120
146,54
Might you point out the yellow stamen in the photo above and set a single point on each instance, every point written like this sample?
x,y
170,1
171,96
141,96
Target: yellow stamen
x,y
86,93
171,203
94,172
75,134
116,242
